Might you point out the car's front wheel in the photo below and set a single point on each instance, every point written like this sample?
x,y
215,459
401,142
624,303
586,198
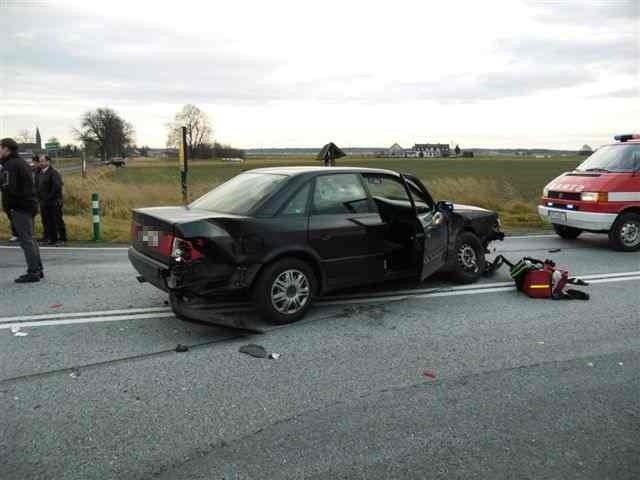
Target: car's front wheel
x,y
625,233
569,233
285,290
469,258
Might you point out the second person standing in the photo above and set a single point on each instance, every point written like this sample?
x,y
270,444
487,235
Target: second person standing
x,y
49,185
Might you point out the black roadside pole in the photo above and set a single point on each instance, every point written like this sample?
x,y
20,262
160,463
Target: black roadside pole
x,y
184,164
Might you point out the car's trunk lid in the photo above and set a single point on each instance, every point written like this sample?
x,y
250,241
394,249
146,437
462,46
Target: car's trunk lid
x,y
154,229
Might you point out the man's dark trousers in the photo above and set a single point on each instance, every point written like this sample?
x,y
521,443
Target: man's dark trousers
x,y
13,229
23,223
53,223
48,213
61,228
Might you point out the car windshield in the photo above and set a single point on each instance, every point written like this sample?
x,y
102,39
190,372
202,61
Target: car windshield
x,y
613,158
240,194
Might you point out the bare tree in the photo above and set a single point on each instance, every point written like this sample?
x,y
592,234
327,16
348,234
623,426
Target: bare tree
x,y
199,129
24,136
106,132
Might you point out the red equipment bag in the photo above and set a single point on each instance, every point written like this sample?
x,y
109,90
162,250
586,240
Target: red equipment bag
x,y
540,279
537,283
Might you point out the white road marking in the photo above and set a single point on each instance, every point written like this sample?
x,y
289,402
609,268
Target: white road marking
x,y
620,279
417,291
545,235
100,249
50,316
163,312
117,318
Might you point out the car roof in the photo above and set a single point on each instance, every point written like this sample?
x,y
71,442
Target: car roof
x,y
293,171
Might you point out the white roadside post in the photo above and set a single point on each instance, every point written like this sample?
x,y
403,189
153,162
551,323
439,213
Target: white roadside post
x,y
95,210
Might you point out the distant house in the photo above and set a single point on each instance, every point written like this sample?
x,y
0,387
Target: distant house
x,y
432,149
395,150
162,152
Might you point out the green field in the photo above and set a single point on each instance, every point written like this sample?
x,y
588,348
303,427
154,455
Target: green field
x,y
509,185
523,176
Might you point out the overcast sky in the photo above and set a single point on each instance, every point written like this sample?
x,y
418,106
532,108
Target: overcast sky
x,y
361,73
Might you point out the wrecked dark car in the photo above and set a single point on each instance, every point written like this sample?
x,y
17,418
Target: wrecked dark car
x,y
284,236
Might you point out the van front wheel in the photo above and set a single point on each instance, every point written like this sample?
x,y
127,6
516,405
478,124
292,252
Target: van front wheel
x,y
625,233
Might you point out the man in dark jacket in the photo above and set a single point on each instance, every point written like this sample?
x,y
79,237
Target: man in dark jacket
x,y
49,185
19,198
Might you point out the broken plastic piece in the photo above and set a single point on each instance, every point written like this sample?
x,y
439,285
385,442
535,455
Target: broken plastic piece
x,y
430,375
75,373
555,250
55,305
16,331
181,348
254,350
274,356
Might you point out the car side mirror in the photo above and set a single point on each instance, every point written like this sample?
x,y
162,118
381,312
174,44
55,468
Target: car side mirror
x,y
444,206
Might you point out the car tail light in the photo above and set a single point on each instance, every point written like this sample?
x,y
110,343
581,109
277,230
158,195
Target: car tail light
x,y
184,250
136,228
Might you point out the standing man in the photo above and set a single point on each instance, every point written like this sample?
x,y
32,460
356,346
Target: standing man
x,y
49,187
14,236
19,198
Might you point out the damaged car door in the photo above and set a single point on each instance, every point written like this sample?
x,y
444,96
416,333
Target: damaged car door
x,y
432,218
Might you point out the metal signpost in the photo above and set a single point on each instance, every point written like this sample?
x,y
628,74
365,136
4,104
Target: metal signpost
x,y
52,149
182,156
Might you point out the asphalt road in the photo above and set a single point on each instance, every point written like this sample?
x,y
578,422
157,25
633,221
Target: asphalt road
x,y
424,381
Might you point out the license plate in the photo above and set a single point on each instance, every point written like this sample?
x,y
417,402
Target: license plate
x,y
557,217
151,237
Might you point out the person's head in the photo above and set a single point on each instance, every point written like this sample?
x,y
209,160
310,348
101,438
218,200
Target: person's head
x,y
45,161
8,148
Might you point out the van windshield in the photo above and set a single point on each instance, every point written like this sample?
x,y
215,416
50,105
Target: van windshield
x,y
613,158
240,194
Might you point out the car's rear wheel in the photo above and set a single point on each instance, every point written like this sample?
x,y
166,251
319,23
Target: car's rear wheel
x,y
469,258
569,233
285,290
625,233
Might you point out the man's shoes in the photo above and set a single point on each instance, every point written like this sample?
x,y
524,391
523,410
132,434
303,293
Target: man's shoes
x,y
30,277
43,240
13,238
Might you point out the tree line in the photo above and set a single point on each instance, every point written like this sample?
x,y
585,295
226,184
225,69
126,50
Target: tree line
x,y
104,133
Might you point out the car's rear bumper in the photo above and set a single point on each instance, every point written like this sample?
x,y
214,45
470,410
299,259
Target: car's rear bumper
x,y
593,221
198,278
151,270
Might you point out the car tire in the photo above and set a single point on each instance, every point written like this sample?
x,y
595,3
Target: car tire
x,y
568,233
625,233
285,290
468,261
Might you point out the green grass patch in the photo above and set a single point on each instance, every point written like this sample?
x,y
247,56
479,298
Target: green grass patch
x,y
509,185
